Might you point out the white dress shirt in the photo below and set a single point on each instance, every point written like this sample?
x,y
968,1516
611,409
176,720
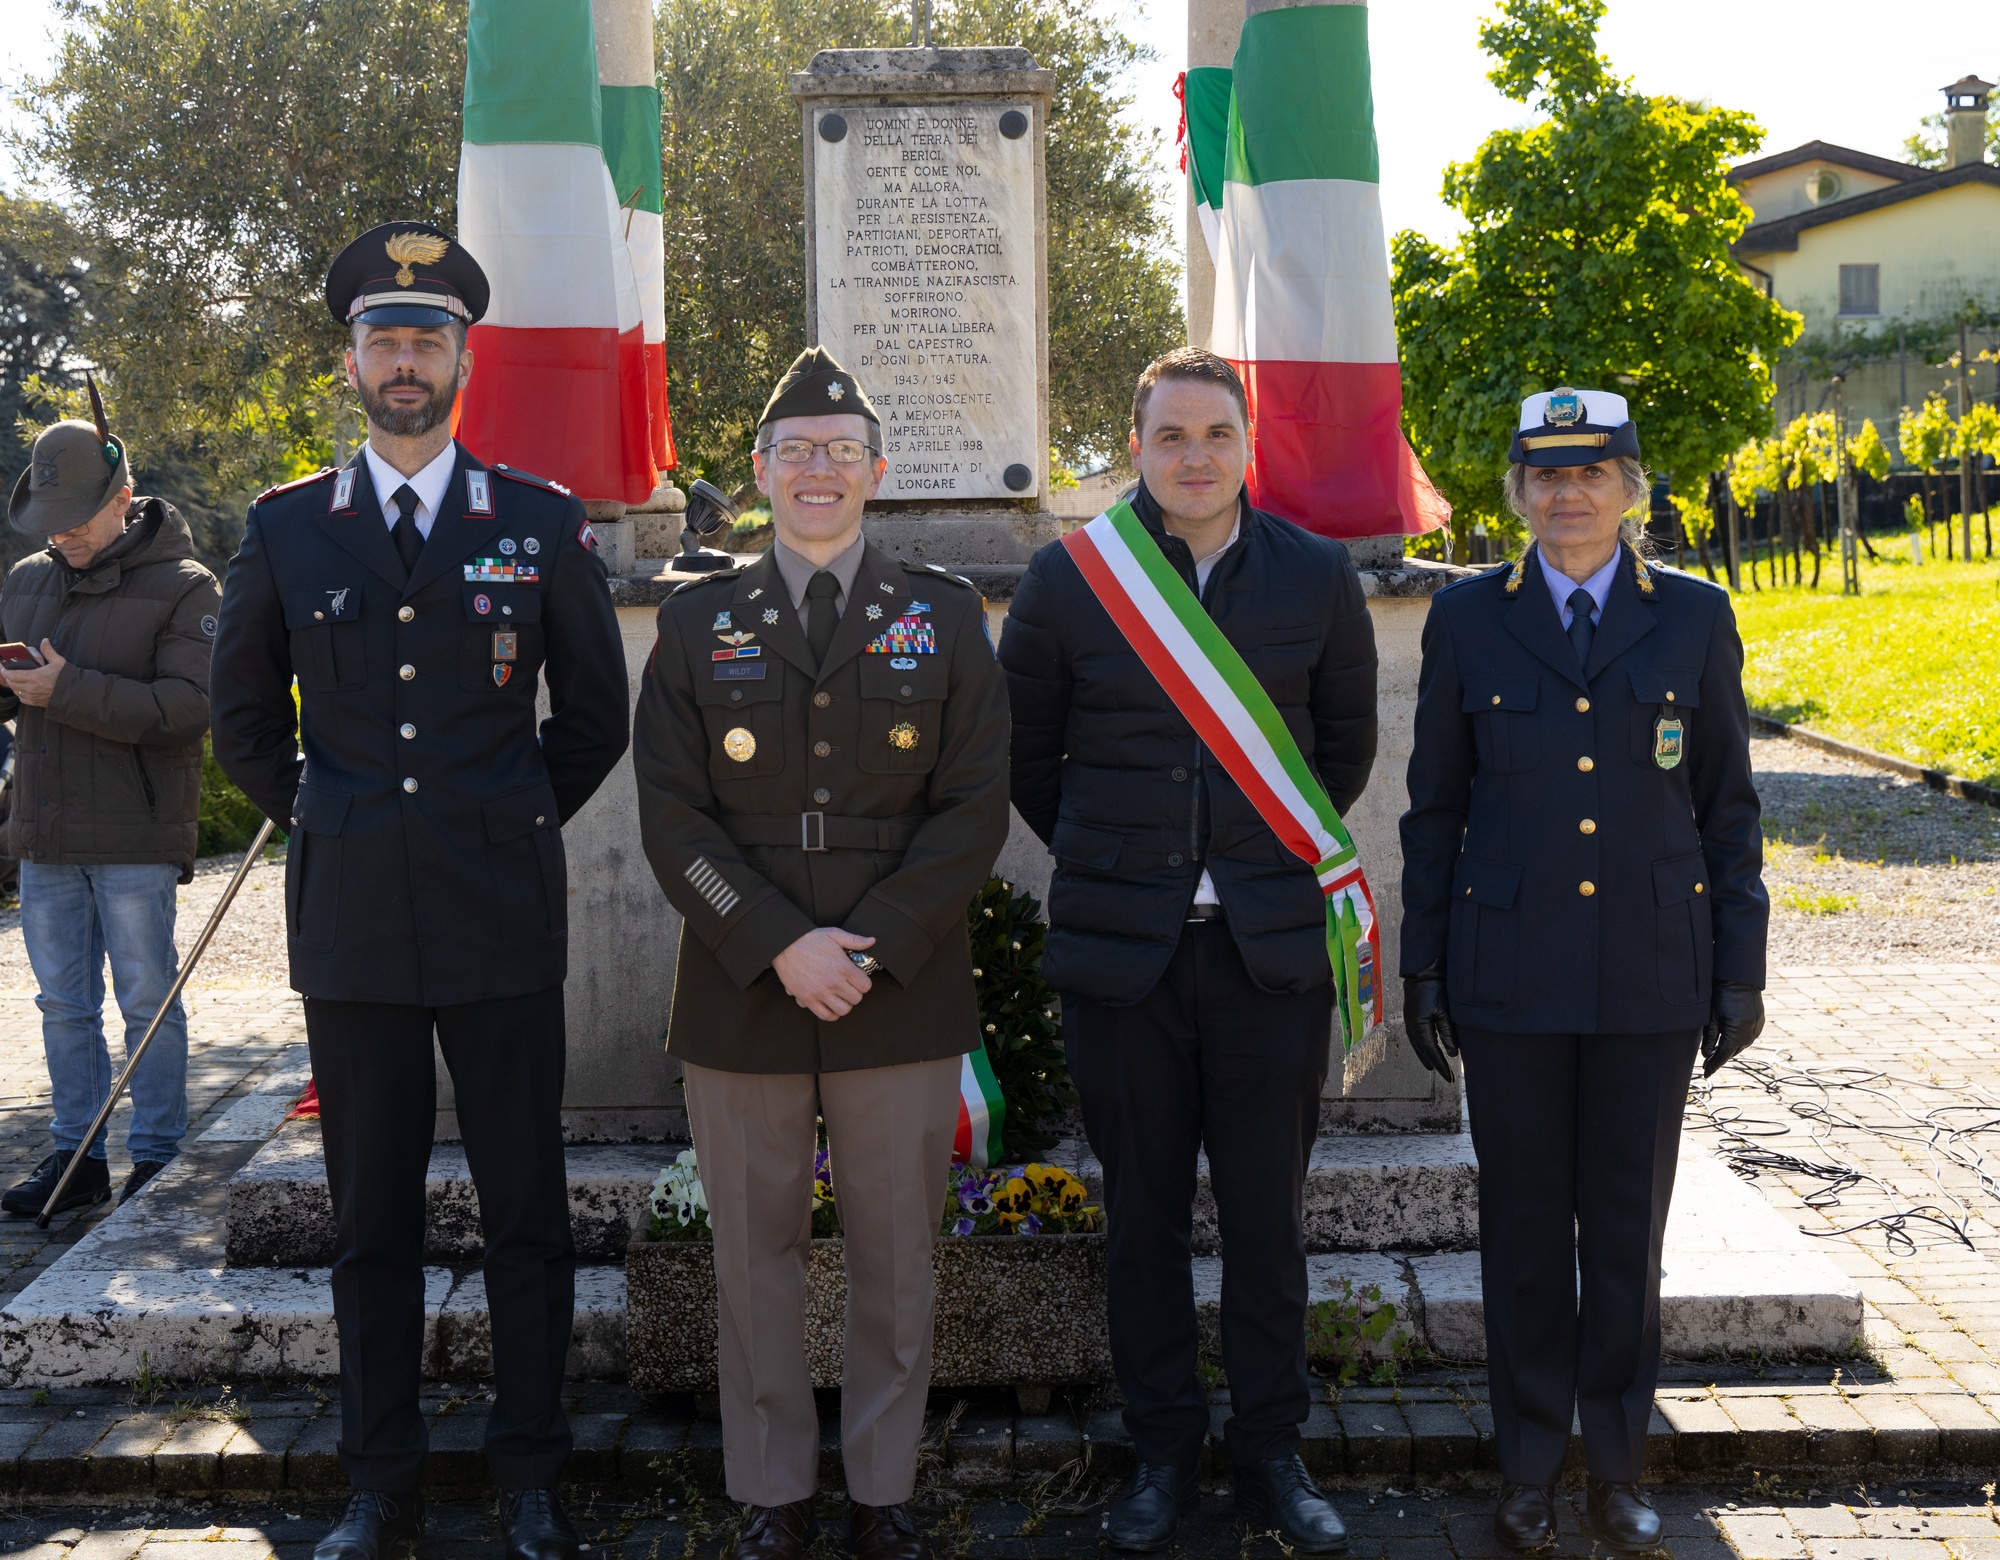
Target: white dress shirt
x,y
1204,891
430,485
1599,585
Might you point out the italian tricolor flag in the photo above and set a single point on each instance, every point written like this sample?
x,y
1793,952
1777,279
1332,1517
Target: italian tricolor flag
x,y
1284,171
559,201
982,1112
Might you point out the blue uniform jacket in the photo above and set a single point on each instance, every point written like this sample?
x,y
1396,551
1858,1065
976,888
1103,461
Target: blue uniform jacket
x,y
1568,876
426,860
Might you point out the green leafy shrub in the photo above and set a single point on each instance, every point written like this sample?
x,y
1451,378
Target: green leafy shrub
x,y
1019,1016
229,819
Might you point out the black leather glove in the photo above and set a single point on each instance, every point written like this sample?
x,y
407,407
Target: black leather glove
x,y
1427,1022
1735,1018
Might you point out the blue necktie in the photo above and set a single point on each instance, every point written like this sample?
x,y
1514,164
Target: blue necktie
x,y
1580,629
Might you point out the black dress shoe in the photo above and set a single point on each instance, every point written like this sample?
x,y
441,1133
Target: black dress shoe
x,y
90,1185
886,1533
374,1527
537,1526
1526,1516
1145,1515
1622,1517
776,1532
142,1172
1279,1496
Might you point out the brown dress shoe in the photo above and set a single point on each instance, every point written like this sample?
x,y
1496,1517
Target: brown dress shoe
x,y
777,1532
886,1533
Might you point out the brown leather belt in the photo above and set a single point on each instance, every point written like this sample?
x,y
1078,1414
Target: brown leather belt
x,y
818,831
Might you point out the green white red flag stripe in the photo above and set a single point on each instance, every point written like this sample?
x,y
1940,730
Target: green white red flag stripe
x,y
1212,687
982,1112
1302,300
560,383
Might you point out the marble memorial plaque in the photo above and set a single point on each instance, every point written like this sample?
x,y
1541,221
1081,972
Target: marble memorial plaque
x,y
925,240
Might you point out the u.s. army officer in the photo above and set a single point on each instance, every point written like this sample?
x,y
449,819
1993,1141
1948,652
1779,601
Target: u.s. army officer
x,y
1583,907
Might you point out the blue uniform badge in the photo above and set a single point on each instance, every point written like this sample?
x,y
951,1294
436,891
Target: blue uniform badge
x,y
1667,741
1562,409
722,622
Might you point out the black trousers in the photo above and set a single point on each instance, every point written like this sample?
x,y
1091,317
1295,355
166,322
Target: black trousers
x,y
1205,1060
1577,1137
378,1112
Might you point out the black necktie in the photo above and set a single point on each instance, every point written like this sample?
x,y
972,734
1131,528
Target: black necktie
x,y
409,540
1580,630
821,619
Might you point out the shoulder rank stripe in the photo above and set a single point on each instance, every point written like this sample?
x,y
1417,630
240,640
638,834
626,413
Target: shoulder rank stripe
x,y
297,482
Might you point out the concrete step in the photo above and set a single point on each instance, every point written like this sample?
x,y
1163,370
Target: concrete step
x,y
147,1289
280,1214
1363,1193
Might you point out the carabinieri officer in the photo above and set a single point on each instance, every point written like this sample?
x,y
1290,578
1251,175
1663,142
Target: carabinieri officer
x,y
1582,908
419,596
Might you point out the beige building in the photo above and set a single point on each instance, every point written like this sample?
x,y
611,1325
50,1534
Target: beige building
x,y
1878,256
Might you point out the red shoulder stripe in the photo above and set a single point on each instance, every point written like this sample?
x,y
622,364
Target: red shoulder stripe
x,y
285,487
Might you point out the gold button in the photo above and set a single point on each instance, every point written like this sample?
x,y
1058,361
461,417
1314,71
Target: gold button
x,y
1588,826
1496,698
1697,888
1586,888
1582,705
406,672
1586,763
821,749
1670,696
822,700
319,617
1468,893
407,614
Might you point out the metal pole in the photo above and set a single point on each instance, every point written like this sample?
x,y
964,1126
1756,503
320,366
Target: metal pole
x,y
1850,547
1964,453
173,995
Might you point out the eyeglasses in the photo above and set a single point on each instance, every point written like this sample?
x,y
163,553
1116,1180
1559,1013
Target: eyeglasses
x,y
842,452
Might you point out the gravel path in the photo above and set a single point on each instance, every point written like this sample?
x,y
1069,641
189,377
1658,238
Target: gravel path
x,y
1865,867
249,950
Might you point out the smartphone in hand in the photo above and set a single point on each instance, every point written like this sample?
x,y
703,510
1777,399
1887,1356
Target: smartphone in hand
x,y
17,657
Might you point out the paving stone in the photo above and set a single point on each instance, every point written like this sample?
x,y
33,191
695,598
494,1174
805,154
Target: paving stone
x,y
1761,1536
594,1458
1839,1435
312,1461
190,1458
1704,1436
1045,1443
458,1450
1823,1521
1108,1446
254,1457
1443,1443
983,1444
1772,1435
1904,1434
1377,1440
1321,1445
54,1465
1967,1434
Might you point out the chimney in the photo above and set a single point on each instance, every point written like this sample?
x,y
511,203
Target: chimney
x,y
1965,121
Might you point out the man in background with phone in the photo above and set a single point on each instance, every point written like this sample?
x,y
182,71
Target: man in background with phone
x,y
105,664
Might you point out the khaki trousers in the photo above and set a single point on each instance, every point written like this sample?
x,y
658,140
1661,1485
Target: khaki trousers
x,y
889,1132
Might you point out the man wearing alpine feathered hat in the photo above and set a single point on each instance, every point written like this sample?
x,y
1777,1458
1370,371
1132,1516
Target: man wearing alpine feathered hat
x,y
1582,912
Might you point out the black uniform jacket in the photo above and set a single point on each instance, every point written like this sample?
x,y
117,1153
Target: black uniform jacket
x,y
892,756
1571,874
426,861
1112,776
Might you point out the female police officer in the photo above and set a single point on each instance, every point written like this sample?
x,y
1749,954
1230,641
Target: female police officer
x,y
1582,907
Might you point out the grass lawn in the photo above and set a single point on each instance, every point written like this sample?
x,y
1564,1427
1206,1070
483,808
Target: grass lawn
x,y
1910,667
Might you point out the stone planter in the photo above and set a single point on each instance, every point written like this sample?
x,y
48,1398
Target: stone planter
x,y
1020,1311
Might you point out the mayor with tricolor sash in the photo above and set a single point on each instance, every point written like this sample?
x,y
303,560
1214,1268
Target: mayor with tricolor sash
x,y
1193,688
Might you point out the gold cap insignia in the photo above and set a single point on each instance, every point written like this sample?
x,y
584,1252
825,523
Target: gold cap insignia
x,y
902,736
740,745
408,249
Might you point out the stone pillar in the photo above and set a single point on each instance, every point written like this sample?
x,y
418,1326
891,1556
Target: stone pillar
x,y
1213,28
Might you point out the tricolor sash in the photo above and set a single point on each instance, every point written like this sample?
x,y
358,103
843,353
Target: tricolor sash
x,y
982,1112
1211,686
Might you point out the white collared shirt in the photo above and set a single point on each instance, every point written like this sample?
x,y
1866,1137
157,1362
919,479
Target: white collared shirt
x,y
430,485
1561,586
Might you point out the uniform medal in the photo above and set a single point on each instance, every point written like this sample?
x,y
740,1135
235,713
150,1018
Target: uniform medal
x,y
740,745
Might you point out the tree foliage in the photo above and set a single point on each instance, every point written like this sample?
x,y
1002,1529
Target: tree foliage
x,y
44,288
1596,254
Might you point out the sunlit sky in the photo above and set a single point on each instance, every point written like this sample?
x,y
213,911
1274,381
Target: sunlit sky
x,y
1861,75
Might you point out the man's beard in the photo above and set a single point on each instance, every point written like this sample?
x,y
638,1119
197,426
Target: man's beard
x,y
412,421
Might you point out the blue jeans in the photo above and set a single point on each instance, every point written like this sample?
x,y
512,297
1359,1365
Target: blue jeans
x,y
71,917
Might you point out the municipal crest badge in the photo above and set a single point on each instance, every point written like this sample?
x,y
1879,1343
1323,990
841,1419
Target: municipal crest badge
x,y
1668,741
1563,409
